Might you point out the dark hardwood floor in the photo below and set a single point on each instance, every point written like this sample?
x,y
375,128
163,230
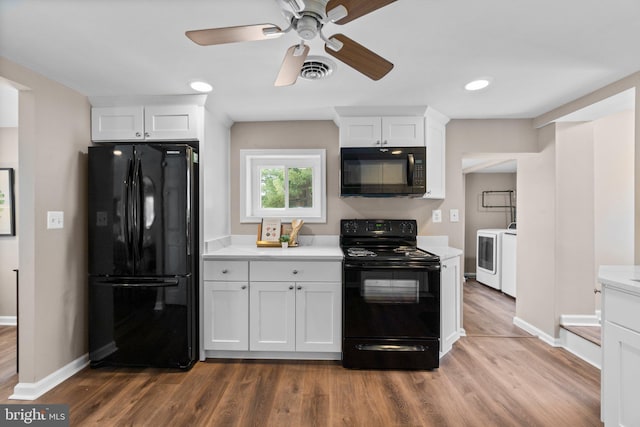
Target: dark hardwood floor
x,y
496,376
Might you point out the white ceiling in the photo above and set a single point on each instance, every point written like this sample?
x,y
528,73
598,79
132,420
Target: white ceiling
x,y
539,54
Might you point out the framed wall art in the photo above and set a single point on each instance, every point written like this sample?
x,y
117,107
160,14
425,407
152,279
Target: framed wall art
x,y
7,203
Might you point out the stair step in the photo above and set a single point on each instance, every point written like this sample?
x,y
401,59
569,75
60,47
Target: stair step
x,y
589,333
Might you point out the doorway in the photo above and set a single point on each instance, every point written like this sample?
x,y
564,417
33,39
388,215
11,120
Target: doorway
x,y
9,243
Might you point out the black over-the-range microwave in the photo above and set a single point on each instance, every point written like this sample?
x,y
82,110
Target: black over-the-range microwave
x,y
383,172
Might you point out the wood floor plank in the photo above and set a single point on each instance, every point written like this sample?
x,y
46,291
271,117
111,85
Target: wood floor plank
x,y
498,375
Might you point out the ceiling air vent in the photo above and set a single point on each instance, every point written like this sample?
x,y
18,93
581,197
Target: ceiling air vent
x,y
317,67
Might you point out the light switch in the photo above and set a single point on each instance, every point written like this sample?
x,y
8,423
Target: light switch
x,y
55,219
454,215
436,215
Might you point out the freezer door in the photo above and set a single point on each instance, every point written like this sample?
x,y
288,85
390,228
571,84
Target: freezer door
x,y
163,194
110,221
138,321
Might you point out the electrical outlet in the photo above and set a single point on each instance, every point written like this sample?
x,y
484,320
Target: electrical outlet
x,y
454,215
55,219
436,215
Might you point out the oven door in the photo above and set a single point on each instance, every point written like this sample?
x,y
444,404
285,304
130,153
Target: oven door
x,y
391,317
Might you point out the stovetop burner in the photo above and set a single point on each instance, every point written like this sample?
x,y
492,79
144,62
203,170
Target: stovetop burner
x,y
360,252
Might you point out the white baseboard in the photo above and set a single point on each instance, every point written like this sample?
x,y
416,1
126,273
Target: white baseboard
x,y
32,391
537,332
8,321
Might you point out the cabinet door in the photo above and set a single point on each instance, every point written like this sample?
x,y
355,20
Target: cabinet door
x,y
226,316
318,317
360,132
403,131
163,122
449,303
117,124
620,376
272,316
436,158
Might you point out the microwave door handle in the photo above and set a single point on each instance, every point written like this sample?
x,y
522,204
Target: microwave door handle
x,y
410,169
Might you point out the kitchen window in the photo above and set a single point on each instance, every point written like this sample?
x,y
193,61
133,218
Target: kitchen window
x,y
284,184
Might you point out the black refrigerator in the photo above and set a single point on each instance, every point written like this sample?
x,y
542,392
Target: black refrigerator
x,y
143,255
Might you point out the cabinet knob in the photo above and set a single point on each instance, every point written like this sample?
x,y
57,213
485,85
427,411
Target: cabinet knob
x,y
146,134
225,271
299,287
444,266
597,291
385,142
244,287
290,287
295,271
138,134
377,142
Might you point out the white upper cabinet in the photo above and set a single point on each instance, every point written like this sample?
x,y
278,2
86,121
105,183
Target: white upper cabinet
x,y
381,131
148,123
435,125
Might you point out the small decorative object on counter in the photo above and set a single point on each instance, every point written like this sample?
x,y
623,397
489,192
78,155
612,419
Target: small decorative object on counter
x,y
284,240
296,225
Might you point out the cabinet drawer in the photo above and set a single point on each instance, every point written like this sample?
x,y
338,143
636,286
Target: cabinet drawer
x,y
226,270
622,308
299,271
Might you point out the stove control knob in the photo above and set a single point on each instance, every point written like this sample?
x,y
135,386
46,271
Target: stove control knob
x,y
406,228
350,227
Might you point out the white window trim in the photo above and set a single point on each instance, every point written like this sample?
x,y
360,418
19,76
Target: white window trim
x,y
275,157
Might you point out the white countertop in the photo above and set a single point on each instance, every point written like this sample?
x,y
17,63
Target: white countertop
x,y
251,252
623,277
311,247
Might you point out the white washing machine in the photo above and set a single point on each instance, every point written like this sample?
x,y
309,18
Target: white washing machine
x,y
489,257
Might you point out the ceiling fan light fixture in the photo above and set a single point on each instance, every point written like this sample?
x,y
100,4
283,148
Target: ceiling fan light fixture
x,y
201,86
478,84
337,13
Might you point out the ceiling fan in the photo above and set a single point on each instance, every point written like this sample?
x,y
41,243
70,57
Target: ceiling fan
x,y
307,18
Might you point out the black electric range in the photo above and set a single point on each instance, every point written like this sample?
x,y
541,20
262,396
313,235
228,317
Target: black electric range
x,y
391,297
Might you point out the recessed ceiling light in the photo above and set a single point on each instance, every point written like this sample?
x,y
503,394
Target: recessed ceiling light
x,y
477,84
201,86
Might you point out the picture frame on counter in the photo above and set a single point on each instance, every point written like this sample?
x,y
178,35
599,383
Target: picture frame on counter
x,y
7,203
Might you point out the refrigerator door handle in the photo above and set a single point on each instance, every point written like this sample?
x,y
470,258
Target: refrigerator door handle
x,y
135,207
143,284
188,216
128,212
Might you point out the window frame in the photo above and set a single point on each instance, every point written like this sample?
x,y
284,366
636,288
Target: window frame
x,y
251,161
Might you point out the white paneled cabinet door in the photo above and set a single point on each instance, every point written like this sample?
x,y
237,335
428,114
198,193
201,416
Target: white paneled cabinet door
x,y
117,123
318,316
171,122
360,132
226,316
272,316
403,131
435,130
449,303
621,376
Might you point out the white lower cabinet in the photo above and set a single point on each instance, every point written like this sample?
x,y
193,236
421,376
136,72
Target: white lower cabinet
x,y
621,358
273,306
226,315
450,319
295,316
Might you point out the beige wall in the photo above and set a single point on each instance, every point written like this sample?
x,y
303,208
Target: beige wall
x,y
54,133
463,136
477,217
619,86
9,244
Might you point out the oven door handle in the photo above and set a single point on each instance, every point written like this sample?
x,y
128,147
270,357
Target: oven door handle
x,y
390,347
435,267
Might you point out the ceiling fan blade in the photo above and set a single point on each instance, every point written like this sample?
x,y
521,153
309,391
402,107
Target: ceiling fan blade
x,y
359,57
356,8
242,33
291,65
